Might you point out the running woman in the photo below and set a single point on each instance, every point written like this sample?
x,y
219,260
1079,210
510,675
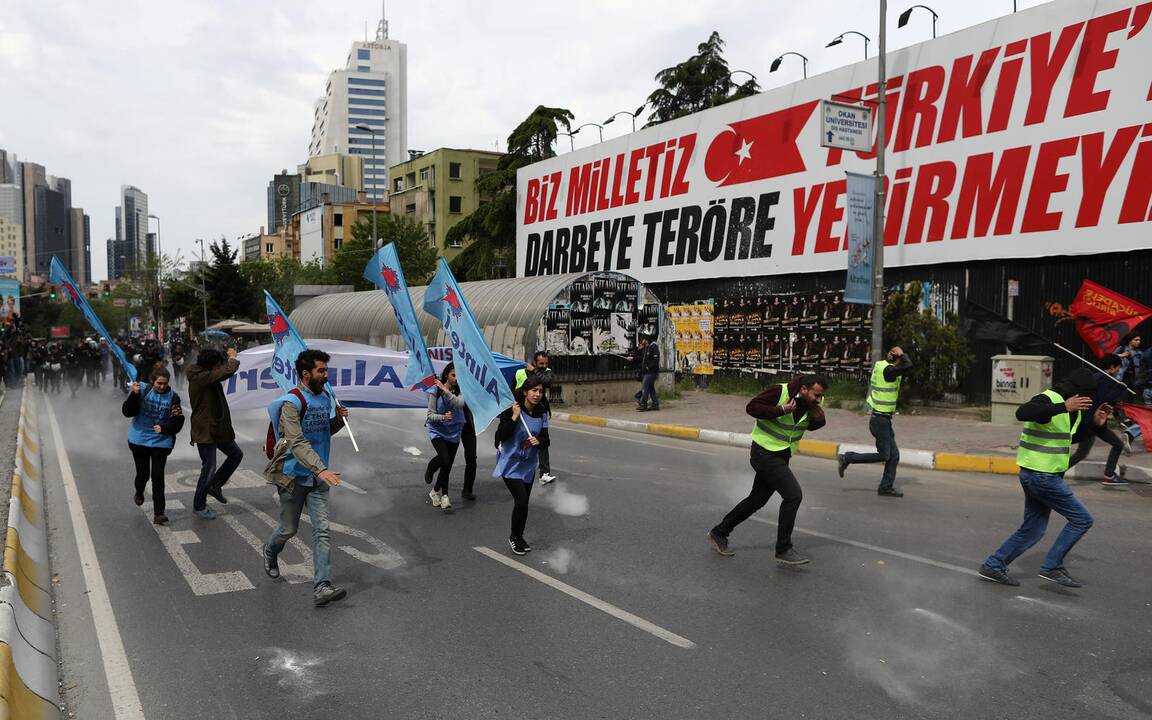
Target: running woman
x,y
157,418
445,424
521,435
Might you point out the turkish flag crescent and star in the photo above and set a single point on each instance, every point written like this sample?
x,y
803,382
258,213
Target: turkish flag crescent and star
x,y
758,148
1104,317
1143,417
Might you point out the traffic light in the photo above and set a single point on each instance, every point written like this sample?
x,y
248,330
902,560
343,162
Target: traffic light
x,y
52,292
107,290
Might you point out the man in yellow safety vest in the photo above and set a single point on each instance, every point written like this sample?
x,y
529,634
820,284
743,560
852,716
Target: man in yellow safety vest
x,y
783,413
883,391
1050,421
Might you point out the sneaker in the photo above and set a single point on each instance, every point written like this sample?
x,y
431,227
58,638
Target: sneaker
x,y
327,594
434,497
890,492
655,408
719,543
791,557
466,495
138,498
271,565
1060,576
997,576
205,514
547,478
159,519
641,408
215,494
445,504
1113,480
524,544
517,545
841,464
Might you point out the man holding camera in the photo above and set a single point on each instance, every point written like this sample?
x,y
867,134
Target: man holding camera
x,y
883,390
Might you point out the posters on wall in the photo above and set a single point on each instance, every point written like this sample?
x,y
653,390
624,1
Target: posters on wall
x,y
693,324
600,315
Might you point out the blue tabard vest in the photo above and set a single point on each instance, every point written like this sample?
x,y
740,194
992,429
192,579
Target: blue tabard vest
x,y
314,424
155,409
515,458
451,429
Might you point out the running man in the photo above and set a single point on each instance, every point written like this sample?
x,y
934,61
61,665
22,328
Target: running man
x,y
883,391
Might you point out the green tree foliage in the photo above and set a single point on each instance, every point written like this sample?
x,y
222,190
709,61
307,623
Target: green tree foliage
x,y
416,251
489,232
228,296
347,264
700,82
277,275
940,354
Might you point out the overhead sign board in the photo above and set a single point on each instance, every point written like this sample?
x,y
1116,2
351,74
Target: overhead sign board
x,y
844,126
7,265
1022,137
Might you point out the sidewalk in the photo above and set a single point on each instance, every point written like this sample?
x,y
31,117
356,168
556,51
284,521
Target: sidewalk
x,y
935,439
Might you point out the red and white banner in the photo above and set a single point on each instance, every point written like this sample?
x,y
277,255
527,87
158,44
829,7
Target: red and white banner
x,y
1026,136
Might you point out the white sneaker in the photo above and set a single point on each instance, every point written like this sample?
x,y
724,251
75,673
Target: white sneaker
x,y
435,498
547,478
444,503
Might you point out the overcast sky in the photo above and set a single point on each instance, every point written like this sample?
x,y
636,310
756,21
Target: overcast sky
x,y
200,103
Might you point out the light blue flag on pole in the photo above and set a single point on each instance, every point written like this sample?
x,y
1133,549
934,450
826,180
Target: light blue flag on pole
x,y
484,388
288,346
384,270
58,275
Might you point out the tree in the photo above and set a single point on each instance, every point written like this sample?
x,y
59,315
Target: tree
x,y
941,355
489,232
228,294
278,275
700,82
347,264
416,251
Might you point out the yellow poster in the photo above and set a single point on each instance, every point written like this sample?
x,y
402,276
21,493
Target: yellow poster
x,y
693,324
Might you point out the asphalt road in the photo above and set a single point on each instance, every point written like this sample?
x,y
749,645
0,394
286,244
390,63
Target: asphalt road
x,y
889,619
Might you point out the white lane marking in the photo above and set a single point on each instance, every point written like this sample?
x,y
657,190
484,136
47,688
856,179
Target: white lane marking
x,y
200,583
569,428
293,572
633,620
244,436
377,423
121,686
877,549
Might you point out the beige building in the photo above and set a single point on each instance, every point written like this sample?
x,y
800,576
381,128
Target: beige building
x,y
334,169
12,243
439,189
322,230
264,246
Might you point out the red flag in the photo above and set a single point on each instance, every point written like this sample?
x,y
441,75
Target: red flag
x,y
1105,317
758,148
1143,417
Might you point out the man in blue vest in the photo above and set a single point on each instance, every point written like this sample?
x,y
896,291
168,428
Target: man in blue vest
x,y
305,423
1050,420
883,392
783,413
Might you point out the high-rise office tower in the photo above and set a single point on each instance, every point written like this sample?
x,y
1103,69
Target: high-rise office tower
x,y
371,91
130,249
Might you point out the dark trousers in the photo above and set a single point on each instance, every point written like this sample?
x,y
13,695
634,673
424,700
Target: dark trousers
x,y
445,456
545,464
468,442
150,462
648,391
886,451
210,476
1086,438
521,491
772,475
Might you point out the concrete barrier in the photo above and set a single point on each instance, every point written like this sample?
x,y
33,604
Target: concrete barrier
x,y
28,681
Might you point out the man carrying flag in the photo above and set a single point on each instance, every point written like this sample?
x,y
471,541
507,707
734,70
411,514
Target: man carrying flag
x,y
58,275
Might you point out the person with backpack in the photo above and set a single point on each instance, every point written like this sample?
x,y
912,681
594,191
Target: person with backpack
x,y
522,432
303,423
445,423
157,418
212,426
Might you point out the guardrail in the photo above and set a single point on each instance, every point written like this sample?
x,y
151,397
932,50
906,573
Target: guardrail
x,y
29,689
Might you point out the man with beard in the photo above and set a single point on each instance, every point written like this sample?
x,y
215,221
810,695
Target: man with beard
x,y
305,423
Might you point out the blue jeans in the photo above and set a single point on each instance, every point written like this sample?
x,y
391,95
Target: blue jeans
x,y
210,477
648,390
886,451
292,503
1043,493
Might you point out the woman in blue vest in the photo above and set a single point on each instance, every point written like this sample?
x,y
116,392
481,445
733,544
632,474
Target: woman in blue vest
x,y
156,420
521,435
445,424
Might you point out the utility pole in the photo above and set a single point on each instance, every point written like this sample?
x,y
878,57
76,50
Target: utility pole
x,y
878,235
203,285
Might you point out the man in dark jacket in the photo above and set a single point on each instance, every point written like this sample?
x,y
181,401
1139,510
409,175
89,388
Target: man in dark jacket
x,y
212,426
783,413
648,362
1108,392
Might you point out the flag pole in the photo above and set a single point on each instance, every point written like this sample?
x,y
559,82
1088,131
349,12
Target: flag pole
x,y
347,425
1085,361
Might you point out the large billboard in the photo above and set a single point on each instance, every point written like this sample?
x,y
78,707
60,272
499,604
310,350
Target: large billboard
x,y
1026,136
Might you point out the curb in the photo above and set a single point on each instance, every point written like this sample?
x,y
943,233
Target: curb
x,y
960,462
28,682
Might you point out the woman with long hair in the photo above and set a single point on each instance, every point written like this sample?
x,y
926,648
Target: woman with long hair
x,y
445,424
522,433
156,420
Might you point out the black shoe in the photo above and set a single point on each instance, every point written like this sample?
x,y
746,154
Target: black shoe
x,y
160,519
271,566
1060,576
519,547
641,408
998,576
719,543
327,594
138,498
841,464
654,408
217,495
791,557
466,495
890,492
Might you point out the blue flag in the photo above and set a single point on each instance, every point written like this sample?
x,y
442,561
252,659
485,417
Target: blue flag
x,y
288,346
384,270
59,276
484,388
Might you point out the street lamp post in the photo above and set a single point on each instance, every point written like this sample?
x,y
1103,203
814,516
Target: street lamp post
x,y
599,128
632,115
776,63
571,142
903,19
878,233
840,38
159,284
203,283
375,192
